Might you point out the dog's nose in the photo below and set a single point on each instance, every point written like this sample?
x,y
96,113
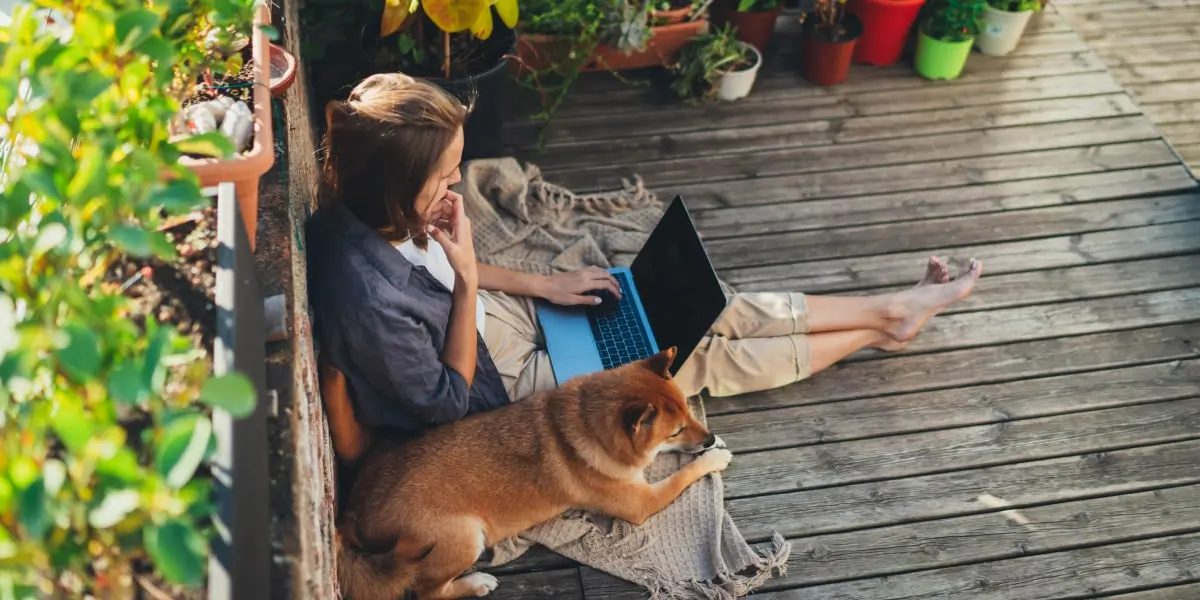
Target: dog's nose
x,y
709,441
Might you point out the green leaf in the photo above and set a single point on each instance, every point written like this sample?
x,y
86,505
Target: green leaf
x,y
132,240
87,85
271,31
213,143
233,392
72,427
81,356
134,27
178,196
33,513
114,508
152,371
125,385
183,447
160,246
122,466
178,551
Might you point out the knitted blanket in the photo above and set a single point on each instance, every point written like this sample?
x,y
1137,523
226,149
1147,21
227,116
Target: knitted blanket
x,y
691,549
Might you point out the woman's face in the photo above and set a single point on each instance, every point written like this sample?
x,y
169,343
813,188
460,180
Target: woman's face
x,y
432,199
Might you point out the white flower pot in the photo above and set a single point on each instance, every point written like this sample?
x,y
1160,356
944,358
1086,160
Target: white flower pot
x,y
1000,30
737,84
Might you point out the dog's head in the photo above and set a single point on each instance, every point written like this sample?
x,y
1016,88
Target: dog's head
x,y
654,412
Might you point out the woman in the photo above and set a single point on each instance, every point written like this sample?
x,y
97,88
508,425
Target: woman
x,y
426,334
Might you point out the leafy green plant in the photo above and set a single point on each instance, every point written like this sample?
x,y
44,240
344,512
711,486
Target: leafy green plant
x,y
756,5
451,18
106,428
952,20
704,60
1016,5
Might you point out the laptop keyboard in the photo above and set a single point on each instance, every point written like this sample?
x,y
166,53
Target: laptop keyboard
x,y
619,334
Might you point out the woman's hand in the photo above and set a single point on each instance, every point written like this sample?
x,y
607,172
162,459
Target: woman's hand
x,y
459,247
567,289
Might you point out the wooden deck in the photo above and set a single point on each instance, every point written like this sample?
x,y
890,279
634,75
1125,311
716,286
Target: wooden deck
x,y
1153,48
1040,440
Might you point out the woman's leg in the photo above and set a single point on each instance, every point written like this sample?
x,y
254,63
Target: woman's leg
x,y
516,344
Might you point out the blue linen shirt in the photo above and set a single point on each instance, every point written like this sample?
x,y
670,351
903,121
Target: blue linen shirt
x,y
383,323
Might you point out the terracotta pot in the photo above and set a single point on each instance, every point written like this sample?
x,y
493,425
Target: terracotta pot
x,y
660,51
886,24
283,70
825,62
245,170
669,17
755,28
539,51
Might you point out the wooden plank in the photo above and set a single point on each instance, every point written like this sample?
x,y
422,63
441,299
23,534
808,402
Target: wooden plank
x,y
957,407
1168,91
754,165
1178,592
1173,112
1076,283
535,559
840,463
1190,153
1047,44
991,536
561,584
1157,73
749,249
934,178
902,373
812,107
782,133
1086,22
960,200
842,275
1081,573
1181,134
1106,41
957,493
1127,56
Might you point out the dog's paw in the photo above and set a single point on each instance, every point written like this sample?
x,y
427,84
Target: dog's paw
x,y
481,584
715,460
718,443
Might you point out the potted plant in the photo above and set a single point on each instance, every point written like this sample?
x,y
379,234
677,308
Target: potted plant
x,y
945,37
238,108
716,65
754,19
110,406
631,37
669,12
829,38
1002,24
459,46
886,24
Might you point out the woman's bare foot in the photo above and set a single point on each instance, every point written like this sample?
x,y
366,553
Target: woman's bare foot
x,y
908,311
936,272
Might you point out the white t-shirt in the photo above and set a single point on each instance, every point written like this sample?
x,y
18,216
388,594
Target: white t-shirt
x,y
434,260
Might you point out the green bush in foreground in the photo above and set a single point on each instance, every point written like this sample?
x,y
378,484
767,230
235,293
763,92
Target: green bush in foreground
x,y
105,428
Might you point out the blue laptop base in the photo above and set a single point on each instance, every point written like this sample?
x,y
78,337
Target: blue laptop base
x,y
571,340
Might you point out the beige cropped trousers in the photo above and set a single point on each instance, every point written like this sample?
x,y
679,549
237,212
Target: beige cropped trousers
x,y
759,342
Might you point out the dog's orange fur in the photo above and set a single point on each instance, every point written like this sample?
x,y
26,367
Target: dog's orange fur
x,y
421,512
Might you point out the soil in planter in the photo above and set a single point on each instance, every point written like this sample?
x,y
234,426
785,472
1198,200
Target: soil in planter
x,y
832,35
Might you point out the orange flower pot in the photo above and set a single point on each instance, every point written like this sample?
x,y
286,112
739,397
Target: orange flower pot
x,y
246,169
660,51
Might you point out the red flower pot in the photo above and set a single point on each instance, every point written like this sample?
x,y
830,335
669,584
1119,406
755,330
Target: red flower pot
x,y
755,28
826,60
886,24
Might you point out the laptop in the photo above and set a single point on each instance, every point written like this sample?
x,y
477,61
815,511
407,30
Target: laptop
x,y
670,296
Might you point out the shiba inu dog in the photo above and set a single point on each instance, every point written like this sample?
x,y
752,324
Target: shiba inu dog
x,y
421,512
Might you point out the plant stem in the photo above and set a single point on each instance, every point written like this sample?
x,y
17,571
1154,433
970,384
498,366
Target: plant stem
x,y
446,54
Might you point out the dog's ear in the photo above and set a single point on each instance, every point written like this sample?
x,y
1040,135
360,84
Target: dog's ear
x,y
660,364
639,416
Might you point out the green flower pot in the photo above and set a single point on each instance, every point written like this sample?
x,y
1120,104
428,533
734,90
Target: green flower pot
x,y
937,59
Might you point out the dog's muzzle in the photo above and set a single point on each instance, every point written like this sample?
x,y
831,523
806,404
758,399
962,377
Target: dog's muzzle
x,y
711,442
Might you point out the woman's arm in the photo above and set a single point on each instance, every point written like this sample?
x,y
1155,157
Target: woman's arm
x,y
566,289
461,342
513,283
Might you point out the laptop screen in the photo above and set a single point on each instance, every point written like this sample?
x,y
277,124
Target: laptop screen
x,y
677,283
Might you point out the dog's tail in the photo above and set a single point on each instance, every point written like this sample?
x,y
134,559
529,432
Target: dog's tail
x,y
376,574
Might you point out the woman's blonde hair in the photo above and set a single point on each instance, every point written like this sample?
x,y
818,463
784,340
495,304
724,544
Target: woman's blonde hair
x,y
382,144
